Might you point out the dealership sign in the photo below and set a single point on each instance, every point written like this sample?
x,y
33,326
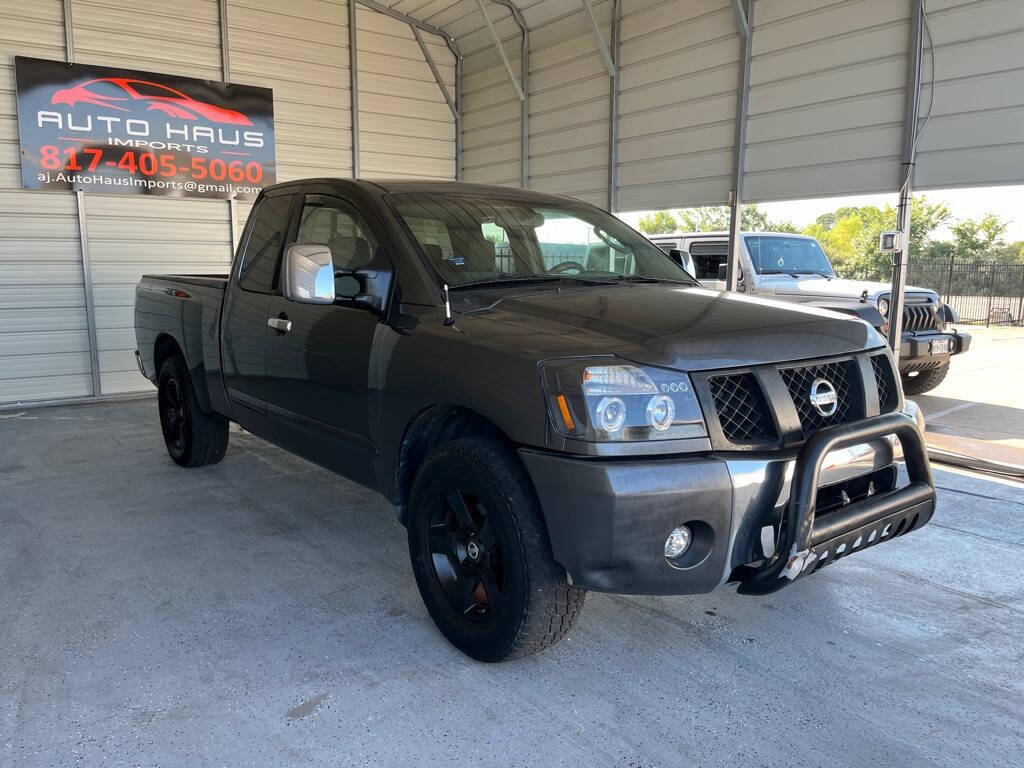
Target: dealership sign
x,y
126,132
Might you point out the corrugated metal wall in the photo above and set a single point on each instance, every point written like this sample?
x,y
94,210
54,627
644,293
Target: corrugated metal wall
x,y
405,126
826,97
44,342
491,112
976,133
569,93
680,63
129,236
300,50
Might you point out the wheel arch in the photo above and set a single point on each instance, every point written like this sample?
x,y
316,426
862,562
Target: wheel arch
x,y
429,428
166,345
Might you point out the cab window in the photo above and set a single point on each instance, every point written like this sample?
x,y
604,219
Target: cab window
x,y
332,222
262,256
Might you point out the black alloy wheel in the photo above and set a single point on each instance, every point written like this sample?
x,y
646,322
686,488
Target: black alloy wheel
x,y
466,556
481,554
193,436
173,416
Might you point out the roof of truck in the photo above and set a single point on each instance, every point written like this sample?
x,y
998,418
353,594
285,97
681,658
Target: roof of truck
x,y
426,186
719,233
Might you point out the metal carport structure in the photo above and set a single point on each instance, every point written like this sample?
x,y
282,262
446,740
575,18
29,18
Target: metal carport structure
x,y
629,104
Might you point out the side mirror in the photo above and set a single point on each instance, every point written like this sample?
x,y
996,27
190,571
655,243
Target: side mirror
x,y
308,273
723,271
678,257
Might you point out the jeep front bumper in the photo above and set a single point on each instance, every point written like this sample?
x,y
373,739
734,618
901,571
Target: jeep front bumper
x,y
925,349
760,520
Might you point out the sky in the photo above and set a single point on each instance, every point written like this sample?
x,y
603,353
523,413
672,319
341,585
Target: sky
x,y
1007,202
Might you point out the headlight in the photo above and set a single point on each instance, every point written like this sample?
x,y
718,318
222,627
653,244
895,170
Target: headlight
x,y
608,400
883,307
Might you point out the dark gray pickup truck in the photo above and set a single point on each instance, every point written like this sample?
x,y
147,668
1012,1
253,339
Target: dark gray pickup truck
x,y
552,404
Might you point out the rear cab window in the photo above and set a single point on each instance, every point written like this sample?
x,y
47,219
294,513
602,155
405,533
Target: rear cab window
x,y
707,255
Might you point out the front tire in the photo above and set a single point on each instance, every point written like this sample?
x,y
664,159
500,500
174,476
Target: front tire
x,y
923,381
481,554
193,438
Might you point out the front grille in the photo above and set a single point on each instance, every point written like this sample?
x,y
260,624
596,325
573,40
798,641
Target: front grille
x,y
888,395
741,408
842,375
920,317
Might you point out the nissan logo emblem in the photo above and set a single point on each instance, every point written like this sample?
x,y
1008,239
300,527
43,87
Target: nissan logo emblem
x,y
824,397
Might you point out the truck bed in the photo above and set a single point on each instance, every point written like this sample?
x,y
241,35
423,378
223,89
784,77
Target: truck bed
x,y
185,308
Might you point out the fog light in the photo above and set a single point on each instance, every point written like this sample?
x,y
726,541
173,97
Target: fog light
x,y
678,541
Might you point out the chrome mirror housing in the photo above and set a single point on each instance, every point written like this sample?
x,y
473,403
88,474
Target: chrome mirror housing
x,y
308,274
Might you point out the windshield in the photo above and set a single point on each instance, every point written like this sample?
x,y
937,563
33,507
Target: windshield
x,y
788,255
471,240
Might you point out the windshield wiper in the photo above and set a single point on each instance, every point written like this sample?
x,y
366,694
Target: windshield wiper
x,y
504,278
812,272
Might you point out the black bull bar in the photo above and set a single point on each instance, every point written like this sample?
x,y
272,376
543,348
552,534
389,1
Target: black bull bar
x,y
807,544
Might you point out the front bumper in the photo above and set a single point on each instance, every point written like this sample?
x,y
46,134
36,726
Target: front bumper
x,y
929,349
753,516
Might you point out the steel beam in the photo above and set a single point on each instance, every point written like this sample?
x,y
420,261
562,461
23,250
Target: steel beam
x,y
353,68
90,306
452,103
411,20
613,110
225,71
501,52
609,64
450,43
741,17
83,232
740,147
524,109
903,216
433,70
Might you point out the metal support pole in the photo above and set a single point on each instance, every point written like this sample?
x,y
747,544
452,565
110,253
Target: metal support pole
x,y
459,170
741,17
613,110
524,78
746,32
608,63
83,232
353,68
900,264
225,72
501,51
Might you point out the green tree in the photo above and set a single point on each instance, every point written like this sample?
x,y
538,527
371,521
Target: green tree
x,y
850,235
976,239
658,223
716,219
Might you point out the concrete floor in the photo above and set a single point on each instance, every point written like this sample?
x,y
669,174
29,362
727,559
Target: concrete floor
x,y
979,409
262,612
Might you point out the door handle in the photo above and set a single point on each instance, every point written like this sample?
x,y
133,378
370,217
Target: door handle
x,y
279,324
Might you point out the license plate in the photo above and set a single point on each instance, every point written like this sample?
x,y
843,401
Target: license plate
x,y
942,346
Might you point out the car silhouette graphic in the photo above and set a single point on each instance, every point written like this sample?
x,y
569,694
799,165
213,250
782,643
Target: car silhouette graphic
x,y
108,91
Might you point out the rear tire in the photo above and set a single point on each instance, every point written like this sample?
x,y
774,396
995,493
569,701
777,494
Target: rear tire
x,y
193,438
923,381
481,554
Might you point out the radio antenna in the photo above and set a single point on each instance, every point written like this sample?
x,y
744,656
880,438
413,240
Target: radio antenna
x,y
448,319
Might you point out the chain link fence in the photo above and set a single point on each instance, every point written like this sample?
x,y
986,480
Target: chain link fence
x,y
982,294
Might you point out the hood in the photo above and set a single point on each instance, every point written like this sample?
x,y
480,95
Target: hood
x,y
671,326
839,288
